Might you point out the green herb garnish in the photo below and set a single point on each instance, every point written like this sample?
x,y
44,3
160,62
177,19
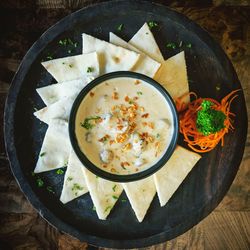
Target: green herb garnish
x,y
59,171
157,135
70,65
87,122
114,187
90,69
115,197
107,208
124,200
76,186
120,27
189,45
50,189
93,208
42,154
152,24
139,93
171,45
39,182
209,121
67,41
49,57
69,178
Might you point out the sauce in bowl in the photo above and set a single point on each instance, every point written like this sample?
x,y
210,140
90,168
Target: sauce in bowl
x,y
124,125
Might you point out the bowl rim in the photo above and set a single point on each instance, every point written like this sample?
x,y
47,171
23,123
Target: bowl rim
x,y
107,175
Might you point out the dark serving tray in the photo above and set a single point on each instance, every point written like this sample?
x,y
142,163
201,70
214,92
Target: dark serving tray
x,y
208,67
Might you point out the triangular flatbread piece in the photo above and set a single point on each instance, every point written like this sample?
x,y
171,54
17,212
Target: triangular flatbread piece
x,y
104,193
140,194
145,42
173,76
55,92
73,67
53,155
111,58
58,110
145,65
74,181
170,176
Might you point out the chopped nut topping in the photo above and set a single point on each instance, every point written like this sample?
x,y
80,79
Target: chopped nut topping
x,y
151,125
120,127
145,115
111,142
121,138
137,82
124,164
126,99
115,96
127,146
104,138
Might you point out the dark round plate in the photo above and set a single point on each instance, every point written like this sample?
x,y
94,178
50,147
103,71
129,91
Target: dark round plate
x,y
210,75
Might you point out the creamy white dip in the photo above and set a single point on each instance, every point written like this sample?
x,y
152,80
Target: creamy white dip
x,y
124,125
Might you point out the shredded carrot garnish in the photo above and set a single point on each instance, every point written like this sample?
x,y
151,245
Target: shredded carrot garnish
x,y
188,115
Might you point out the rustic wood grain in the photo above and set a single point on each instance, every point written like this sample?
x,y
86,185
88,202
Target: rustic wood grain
x,y
21,227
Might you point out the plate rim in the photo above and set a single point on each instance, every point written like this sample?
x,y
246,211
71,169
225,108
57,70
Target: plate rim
x,y
9,114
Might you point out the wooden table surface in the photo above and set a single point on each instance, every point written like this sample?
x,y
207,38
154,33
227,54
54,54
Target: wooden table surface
x,y
21,24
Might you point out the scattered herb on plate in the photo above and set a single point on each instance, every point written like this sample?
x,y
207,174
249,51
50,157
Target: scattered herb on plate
x,y
120,27
60,171
152,24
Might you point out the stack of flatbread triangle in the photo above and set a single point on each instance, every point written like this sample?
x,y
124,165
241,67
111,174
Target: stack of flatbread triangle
x,y
141,54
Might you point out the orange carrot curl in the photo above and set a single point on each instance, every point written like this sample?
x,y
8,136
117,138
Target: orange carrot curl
x,y
188,116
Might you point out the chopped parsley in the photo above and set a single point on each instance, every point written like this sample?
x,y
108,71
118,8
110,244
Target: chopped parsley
x,y
60,171
171,45
209,120
114,187
157,135
189,45
71,65
120,27
50,189
69,178
87,124
67,41
115,197
90,69
139,93
39,182
124,200
49,56
76,186
107,208
93,208
42,154
152,24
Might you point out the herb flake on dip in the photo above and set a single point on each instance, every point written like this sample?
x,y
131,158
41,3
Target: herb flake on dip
x,y
124,125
